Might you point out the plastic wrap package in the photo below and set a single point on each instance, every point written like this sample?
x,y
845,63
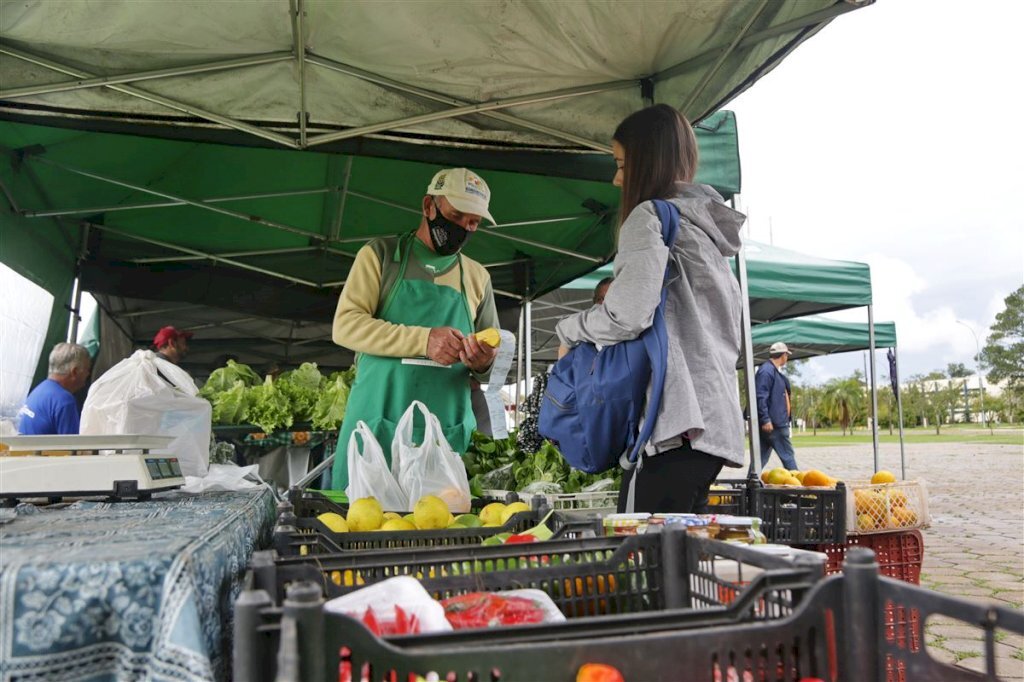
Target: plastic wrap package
x,y
431,468
391,600
368,472
147,395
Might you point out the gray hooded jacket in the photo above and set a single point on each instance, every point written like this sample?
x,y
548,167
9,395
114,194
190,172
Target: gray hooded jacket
x,y
702,313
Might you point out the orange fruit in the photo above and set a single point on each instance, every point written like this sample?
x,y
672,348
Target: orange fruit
x,y
904,516
816,478
898,498
799,475
883,477
777,475
791,480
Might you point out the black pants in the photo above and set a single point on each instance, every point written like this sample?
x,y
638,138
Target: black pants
x,y
675,481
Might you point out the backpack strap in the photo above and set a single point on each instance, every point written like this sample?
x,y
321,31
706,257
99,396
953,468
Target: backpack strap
x,y
656,337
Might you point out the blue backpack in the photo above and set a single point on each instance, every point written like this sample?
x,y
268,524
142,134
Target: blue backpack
x,y
594,399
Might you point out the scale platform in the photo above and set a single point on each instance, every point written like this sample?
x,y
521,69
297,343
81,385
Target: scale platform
x,y
118,466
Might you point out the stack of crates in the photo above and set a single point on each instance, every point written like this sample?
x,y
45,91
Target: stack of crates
x,y
837,629
668,579
885,518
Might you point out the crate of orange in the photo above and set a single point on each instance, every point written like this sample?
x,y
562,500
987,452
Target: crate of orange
x,y
884,504
799,507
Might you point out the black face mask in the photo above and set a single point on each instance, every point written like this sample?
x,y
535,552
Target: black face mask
x,y
445,236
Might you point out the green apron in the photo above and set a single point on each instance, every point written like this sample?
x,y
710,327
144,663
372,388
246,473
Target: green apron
x,y
385,387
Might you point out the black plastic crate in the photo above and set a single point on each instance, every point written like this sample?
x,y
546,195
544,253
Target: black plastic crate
x,y
311,503
295,536
854,626
800,516
634,581
734,500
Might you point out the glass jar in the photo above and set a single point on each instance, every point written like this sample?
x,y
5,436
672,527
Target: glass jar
x,y
737,529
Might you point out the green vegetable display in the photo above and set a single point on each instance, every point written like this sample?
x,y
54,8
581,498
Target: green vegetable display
x,y
500,464
330,405
223,380
239,396
270,409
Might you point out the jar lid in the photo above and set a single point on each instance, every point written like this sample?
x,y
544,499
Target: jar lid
x,y
742,521
640,516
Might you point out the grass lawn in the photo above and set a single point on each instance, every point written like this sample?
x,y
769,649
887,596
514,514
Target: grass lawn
x,y
959,433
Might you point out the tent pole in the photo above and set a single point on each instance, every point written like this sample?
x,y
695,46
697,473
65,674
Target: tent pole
x,y
76,305
101,81
539,245
231,254
156,99
245,217
388,83
899,408
528,343
477,108
874,387
748,364
519,364
336,222
166,204
299,39
196,252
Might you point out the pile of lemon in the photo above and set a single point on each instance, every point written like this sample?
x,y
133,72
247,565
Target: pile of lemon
x,y
884,505
810,479
429,513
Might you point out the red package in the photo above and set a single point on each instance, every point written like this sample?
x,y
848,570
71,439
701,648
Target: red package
x,y
484,609
402,624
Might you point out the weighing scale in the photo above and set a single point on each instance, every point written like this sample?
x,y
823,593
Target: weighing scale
x,y
78,466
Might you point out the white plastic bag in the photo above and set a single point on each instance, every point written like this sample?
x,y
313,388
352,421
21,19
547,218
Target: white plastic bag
x,y
383,597
230,477
368,473
431,468
147,395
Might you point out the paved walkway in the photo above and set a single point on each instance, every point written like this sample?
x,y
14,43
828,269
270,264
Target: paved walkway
x,y
975,546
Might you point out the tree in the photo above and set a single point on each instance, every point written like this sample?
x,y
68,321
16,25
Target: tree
x,y
957,370
807,405
1003,353
842,401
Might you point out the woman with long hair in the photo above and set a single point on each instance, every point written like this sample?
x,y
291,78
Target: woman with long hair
x,y
699,427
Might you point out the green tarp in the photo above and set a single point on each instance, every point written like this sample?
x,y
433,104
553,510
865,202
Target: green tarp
x,y
813,336
785,284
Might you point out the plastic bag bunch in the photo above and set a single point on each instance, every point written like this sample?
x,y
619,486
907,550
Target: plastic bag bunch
x,y
528,438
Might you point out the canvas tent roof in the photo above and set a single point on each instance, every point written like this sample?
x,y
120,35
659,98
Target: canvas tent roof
x,y
809,337
488,75
503,87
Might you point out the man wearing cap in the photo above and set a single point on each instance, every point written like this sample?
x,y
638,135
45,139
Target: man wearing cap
x,y
774,407
51,408
171,344
409,308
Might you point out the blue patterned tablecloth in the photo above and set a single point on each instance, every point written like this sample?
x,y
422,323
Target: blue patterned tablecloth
x,y
126,591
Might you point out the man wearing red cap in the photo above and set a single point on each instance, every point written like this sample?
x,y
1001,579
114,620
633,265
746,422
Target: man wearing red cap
x,y
171,344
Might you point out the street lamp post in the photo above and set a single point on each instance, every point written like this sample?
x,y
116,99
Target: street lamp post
x,y
977,365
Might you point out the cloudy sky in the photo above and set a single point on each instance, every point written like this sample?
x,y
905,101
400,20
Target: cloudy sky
x,y
895,137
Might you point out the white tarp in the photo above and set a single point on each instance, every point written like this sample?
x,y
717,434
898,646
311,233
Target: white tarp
x,y
474,51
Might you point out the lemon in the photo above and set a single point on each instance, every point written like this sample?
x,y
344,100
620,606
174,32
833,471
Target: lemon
x,y
883,477
365,515
410,517
777,476
334,522
431,513
455,525
397,524
715,500
491,514
490,336
468,520
391,515
512,509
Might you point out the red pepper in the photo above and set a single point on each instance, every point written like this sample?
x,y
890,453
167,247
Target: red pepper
x,y
520,539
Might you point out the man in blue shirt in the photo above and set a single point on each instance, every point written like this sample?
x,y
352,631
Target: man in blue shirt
x,y
774,407
51,407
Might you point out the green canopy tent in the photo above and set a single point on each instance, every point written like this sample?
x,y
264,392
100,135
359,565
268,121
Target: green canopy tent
x,y
782,284
257,266
815,336
810,337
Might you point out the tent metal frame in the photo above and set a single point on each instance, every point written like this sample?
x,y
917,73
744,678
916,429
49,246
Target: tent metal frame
x,y
455,107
